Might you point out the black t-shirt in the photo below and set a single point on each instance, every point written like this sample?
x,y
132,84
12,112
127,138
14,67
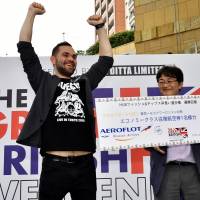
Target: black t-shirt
x,y
67,127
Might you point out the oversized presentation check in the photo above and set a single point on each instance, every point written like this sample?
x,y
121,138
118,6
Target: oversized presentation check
x,y
135,122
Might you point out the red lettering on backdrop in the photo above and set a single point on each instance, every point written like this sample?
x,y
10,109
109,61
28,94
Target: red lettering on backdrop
x,y
3,127
129,92
16,126
96,125
137,164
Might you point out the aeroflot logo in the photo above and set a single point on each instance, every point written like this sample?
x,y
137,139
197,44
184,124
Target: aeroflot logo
x,y
120,133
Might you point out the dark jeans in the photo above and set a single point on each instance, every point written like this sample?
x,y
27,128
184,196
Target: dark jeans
x,y
60,176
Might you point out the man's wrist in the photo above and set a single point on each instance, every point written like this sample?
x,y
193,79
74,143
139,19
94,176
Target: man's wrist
x,y
98,26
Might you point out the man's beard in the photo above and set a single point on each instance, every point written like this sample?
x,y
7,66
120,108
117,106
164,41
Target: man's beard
x,y
63,71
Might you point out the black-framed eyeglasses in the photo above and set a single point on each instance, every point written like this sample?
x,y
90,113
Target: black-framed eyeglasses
x,y
169,82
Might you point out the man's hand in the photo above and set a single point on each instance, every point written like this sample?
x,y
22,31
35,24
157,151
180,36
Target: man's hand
x,y
36,8
95,19
159,150
27,27
105,48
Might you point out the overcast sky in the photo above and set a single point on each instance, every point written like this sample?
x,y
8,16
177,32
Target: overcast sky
x,y
62,16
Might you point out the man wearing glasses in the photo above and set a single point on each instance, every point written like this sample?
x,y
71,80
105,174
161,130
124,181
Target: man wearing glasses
x,y
174,169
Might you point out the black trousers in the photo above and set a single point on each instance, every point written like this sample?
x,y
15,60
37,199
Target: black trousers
x,y
74,175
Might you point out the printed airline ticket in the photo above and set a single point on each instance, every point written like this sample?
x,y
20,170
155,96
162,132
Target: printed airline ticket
x,y
137,122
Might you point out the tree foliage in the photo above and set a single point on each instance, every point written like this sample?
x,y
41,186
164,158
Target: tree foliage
x,y
116,40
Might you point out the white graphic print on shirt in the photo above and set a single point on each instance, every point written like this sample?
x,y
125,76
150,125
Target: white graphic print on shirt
x,y
68,103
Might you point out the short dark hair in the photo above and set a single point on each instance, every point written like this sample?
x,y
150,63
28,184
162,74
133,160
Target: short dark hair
x,y
171,71
56,48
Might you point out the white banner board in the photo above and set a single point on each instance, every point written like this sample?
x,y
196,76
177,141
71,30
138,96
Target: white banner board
x,y
137,122
122,174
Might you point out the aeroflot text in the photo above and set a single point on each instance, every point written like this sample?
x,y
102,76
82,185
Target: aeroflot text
x,y
120,130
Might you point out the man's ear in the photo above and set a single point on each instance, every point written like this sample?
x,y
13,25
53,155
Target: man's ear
x,y
53,60
180,85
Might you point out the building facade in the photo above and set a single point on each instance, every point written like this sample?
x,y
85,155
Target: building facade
x,y
164,26
119,16
113,12
129,14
